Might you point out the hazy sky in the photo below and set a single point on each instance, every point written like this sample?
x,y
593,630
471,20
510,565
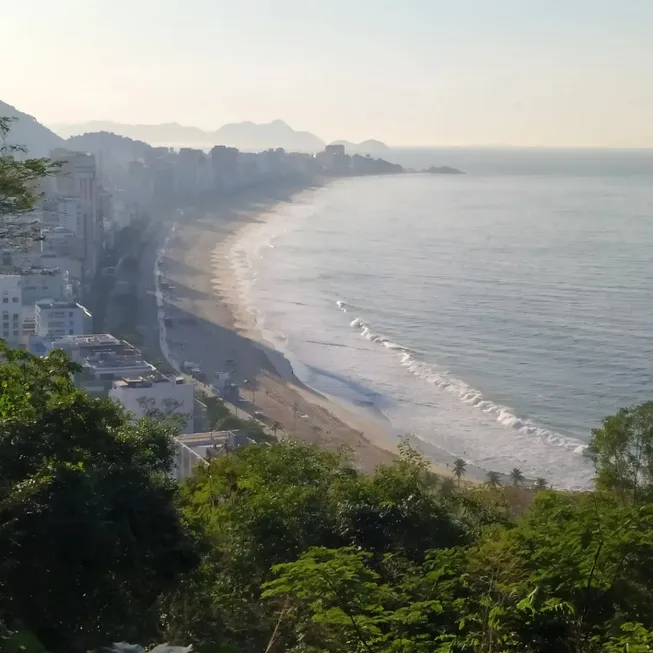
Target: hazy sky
x,y
409,72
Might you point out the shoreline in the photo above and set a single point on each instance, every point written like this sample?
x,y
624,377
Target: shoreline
x,y
198,265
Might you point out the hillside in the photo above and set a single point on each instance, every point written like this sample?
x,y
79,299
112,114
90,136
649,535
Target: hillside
x,y
170,134
119,149
246,136
253,137
30,133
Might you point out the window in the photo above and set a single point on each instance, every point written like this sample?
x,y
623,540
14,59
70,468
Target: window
x,y
14,300
5,333
16,332
15,317
5,300
70,332
70,313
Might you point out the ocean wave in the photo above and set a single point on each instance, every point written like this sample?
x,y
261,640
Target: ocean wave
x,y
470,396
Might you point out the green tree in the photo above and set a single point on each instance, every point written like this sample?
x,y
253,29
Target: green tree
x,y
89,533
568,575
493,479
459,469
19,188
338,598
268,505
623,448
447,487
516,476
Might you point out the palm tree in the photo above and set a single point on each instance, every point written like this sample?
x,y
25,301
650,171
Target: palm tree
x,y
275,427
516,476
540,484
493,480
459,469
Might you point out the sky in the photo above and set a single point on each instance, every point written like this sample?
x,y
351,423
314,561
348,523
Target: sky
x,y
568,73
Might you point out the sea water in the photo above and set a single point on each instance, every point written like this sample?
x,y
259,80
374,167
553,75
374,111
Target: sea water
x,y
496,316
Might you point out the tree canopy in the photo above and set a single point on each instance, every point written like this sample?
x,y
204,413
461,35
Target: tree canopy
x,y
283,547
89,530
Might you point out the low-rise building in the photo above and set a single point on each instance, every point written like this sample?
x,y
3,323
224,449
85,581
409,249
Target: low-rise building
x,y
156,393
198,448
103,358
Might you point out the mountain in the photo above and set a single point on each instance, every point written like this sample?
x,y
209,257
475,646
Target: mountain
x,y
253,137
110,147
170,134
30,133
369,146
247,136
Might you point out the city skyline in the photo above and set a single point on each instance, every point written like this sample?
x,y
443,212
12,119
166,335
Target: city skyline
x,y
573,74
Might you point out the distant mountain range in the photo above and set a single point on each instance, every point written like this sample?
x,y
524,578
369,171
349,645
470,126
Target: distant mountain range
x,y
246,136
28,132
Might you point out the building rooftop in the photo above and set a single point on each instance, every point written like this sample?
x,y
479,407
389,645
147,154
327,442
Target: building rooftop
x,y
204,445
92,340
57,303
16,270
101,351
148,380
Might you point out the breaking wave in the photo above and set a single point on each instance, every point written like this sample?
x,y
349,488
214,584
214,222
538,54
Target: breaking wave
x,y
444,380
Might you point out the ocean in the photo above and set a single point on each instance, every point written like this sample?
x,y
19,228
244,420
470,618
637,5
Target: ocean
x,y
496,316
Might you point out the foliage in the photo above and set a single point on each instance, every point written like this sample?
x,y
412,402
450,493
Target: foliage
x,y
299,552
267,505
220,418
19,187
459,469
516,476
623,448
89,533
493,479
540,484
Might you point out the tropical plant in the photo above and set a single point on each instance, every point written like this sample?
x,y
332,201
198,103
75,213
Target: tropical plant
x,y
89,533
459,469
516,476
623,448
493,479
540,484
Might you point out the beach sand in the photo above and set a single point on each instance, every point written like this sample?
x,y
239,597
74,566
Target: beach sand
x,y
224,335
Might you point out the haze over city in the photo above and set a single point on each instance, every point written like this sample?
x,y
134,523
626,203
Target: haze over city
x,y
414,73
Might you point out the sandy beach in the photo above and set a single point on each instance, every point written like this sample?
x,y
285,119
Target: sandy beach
x,y
223,334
